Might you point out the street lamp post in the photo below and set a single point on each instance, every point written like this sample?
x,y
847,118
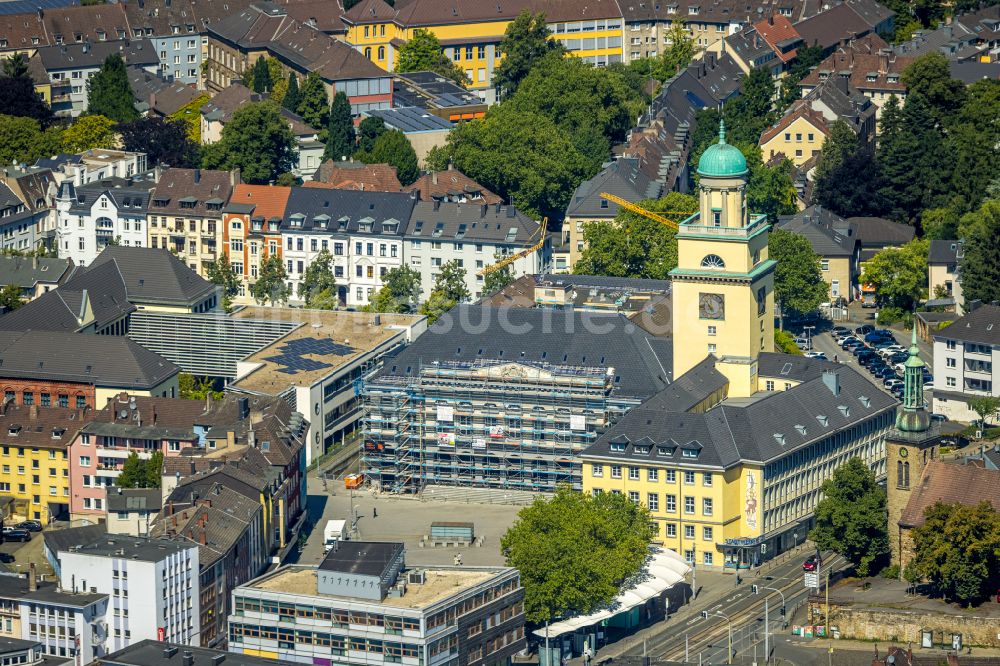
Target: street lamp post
x,y
705,614
767,617
809,341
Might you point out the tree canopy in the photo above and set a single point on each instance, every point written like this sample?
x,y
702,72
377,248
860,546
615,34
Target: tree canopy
x,y
141,473
899,274
257,140
851,518
847,179
981,266
633,245
392,147
798,281
291,98
318,279
370,129
109,93
497,280
163,141
271,286
957,550
17,92
10,298
22,139
314,104
260,76
340,129
400,292
576,552
221,272
423,53
525,41
88,132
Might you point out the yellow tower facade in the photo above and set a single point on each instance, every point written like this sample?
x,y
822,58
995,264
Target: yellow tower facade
x,y
723,286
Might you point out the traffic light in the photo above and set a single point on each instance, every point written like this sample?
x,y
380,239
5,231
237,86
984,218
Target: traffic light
x,y
782,611
755,589
704,615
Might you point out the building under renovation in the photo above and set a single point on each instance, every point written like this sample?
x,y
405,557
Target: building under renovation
x,y
505,398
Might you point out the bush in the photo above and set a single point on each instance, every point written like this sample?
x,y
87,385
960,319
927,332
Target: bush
x,y
889,315
785,341
891,572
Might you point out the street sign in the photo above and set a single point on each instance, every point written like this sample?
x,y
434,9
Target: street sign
x,y
812,579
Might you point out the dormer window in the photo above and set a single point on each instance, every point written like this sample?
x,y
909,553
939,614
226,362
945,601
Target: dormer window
x,y
14,430
693,10
665,450
365,225
418,227
438,229
823,420
689,453
390,226
188,202
296,219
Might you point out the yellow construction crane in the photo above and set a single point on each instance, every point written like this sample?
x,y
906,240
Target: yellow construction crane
x,y
639,210
507,261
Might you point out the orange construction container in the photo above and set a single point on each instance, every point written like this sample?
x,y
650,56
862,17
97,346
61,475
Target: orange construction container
x,y
353,480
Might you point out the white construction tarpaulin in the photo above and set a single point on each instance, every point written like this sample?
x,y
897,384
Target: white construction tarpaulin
x,y
664,570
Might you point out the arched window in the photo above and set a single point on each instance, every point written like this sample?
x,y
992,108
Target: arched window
x,y
381,53
368,52
713,261
906,474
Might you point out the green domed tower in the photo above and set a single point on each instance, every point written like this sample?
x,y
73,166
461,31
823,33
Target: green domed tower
x,y
913,417
721,160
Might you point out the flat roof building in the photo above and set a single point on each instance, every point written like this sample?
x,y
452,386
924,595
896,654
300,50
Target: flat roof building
x,y
361,605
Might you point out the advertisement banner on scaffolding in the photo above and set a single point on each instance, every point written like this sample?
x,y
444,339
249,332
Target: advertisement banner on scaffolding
x,y
577,422
445,413
446,439
496,431
478,443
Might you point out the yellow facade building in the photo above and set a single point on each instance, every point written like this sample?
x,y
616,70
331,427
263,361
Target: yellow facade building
x,y
470,31
731,457
34,468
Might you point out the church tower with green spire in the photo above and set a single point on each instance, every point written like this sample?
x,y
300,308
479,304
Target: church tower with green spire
x,y
908,447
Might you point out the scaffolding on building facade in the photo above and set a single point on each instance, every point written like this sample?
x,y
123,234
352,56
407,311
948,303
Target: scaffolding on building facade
x,y
485,424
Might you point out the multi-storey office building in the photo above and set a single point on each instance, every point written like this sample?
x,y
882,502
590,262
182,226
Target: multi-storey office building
x,y
153,585
91,217
967,361
499,398
361,606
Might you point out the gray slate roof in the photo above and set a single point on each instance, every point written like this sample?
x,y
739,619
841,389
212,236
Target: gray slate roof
x,y
91,55
621,178
471,222
543,336
981,326
944,251
818,225
346,209
760,430
154,276
102,360
134,499
27,272
129,195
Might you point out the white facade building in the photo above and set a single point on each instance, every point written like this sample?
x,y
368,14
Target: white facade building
x,y
90,217
153,586
967,363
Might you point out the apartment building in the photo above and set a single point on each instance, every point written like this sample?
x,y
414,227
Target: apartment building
x,y
737,484
131,510
91,217
967,361
362,605
470,32
35,441
944,272
153,586
34,275
64,624
251,231
238,40
21,224
316,366
185,214
498,398
69,67
93,165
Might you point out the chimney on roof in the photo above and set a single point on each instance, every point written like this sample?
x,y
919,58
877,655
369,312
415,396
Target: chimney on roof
x,y
32,577
83,306
437,204
41,14
843,84
234,177
201,537
883,61
831,380
197,175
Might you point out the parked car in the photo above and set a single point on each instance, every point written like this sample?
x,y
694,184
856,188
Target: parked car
x,y
874,338
892,382
939,418
15,534
898,357
803,343
816,354
850,340
838,330
864,329
6,558
30,525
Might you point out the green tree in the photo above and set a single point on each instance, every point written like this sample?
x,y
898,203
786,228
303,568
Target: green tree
x,y
851,519
15,66
271,286
139,473
393,148
524,156
770,189
10,298
109,93
436,305
190,387
400,292
930,77
88,132
291,99
260,76
450,281
678,53
340,129
899,274
423,53
847,178
314,105
163,141
981,266
957,549
576,552
940,223
17,92
524,43
910,156
497,280
221,272
806,57
370,129
318,279
753,111
984,406
633,245
257,140
798,280
23,140
154,470
595,107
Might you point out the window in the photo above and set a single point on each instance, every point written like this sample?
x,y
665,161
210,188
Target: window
x,y
597,470
653,501
633,496
950,362
616,471
671,503
824,264
652,474
671,530
706,557
689,531
688,504
81,402
688,478
706,479
768,385
712,330
671,476
706,506
633,473
84,461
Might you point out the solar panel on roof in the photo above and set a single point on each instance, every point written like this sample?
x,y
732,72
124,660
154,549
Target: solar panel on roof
x,y
292,357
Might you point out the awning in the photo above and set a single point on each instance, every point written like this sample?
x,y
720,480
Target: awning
x,y
664,570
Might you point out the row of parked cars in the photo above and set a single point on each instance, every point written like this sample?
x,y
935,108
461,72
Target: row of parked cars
x,y
878,352
21,531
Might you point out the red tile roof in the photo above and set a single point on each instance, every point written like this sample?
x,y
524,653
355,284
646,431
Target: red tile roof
x,y
800,110
351,176
871,63
440,184
269,200
776,29
952,484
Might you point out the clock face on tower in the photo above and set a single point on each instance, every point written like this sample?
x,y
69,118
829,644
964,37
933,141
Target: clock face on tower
x,y
712,306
